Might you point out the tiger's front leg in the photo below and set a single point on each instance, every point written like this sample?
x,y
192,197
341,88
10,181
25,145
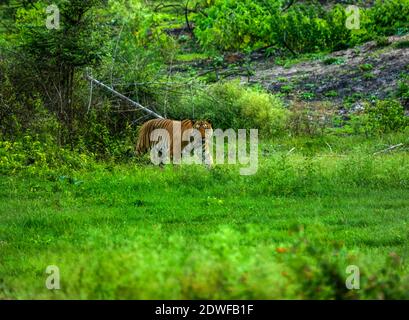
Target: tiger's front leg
x,y
207,158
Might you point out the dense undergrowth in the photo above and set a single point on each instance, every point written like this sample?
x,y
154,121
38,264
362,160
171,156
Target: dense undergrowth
x,y
139,54
303,27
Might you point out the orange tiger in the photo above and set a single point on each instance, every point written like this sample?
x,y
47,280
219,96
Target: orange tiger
x,y
145,143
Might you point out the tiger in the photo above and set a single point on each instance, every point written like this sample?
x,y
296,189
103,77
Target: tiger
x,y
145,142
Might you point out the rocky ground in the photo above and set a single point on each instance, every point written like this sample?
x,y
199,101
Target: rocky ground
x,y
344,76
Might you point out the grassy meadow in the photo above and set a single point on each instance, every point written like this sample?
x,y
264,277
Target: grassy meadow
x,y
135,231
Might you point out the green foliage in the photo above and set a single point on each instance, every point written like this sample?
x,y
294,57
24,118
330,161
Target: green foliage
x,y
366,67
235,24
53,100
230,105
99,136
403,89
380,118
310,118
402,44
389,17
262,111
369,76
308,28
356,124
76,42
32,156
23,113
333,60
386,116
252,24
331,93
139,51
42,65
304,27
322,273
137,41
287,88
307,95
382,41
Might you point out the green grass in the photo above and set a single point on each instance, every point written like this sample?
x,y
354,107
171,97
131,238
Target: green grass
x,y
188,57
287,88
288,62
366,67
402,44
289,231
333,60
331,93
369,76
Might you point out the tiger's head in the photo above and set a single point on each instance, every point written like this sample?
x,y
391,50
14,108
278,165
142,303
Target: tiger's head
x,y
202,126
206,133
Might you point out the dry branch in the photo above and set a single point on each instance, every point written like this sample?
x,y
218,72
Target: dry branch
x,y
120,95
389,149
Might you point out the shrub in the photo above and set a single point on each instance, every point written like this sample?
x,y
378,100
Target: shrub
x,y
309,28
333,60
403,90
232,25
263,111
304,27
309,118
386,116
390,16
230,105
30,155
23,113
382,41
366,67
287,88
331,93
402,44
369,76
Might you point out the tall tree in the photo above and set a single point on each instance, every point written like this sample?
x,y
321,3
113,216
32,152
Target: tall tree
x,y
60,52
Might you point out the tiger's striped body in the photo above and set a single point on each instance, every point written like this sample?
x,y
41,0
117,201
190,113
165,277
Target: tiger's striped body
x,y
175,129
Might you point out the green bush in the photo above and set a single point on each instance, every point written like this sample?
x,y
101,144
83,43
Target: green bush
x,y
236,25
309,28
382,41
389,17
403,90
366,67
230,105
402,44
310,118
382,117
304,27
33,156
385,116
231,25
24,112
263,111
